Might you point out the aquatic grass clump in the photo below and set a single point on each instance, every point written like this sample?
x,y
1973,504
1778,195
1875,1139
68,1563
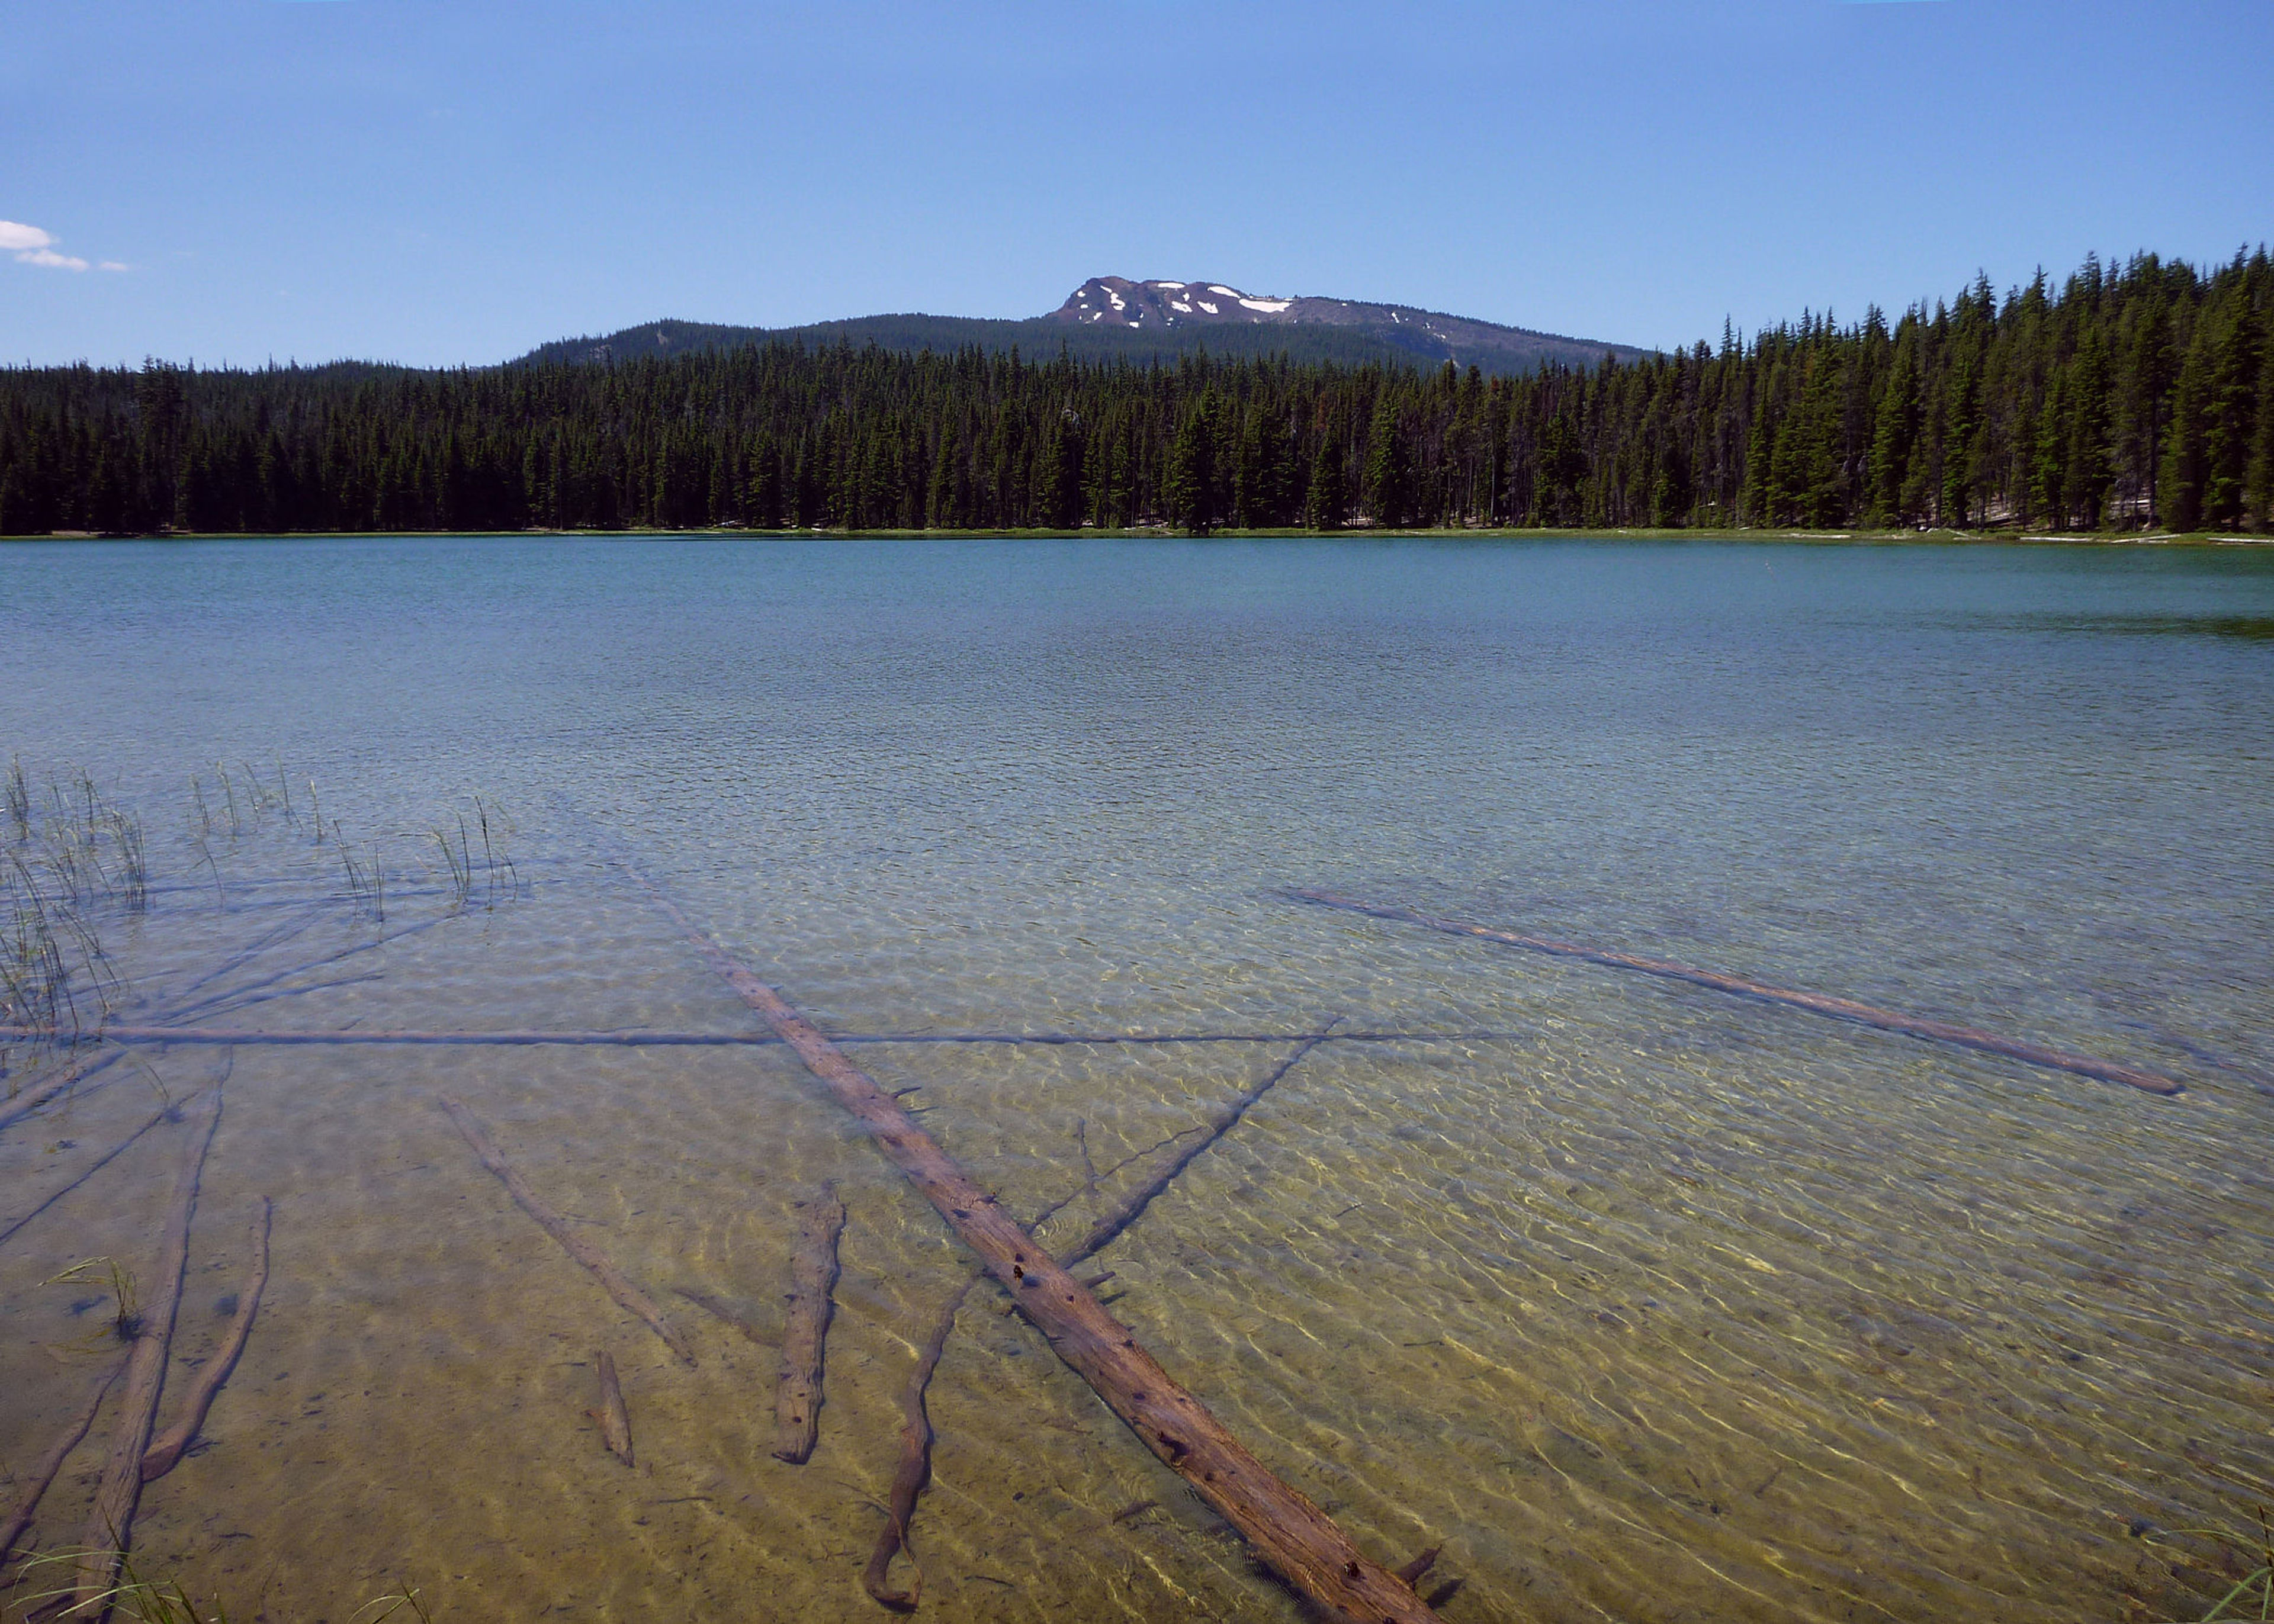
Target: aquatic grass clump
x,y
48,953
73,853
19,798
367,880
168,1601
2217,1552
496,875
113,1277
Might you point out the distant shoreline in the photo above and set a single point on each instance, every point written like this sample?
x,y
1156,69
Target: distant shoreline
x,y
1817,537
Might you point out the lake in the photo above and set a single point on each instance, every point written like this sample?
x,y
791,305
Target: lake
x,y
1644,1301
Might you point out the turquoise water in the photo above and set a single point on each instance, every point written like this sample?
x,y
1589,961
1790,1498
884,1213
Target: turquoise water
x,y
1644,1302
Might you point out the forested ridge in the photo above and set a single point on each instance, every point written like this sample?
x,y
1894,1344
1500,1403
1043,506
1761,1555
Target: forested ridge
x,y
2126,397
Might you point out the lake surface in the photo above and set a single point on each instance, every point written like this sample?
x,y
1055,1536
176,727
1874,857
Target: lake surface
x,y
1644,1302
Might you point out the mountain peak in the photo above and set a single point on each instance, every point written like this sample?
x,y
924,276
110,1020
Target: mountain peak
x,y
1120,302
1103,304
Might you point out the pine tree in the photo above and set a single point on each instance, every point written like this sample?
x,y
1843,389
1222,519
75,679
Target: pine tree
x,y
2050,439
2229,415
1389,473
1323,502
2180,476
2262,456
2147,389
1894,432
2085,496
1188,490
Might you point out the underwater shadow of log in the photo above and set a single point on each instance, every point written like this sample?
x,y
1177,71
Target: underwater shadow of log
x,y
596,1262
162,1456
812,1278
913,1471
111,1525
1814,1003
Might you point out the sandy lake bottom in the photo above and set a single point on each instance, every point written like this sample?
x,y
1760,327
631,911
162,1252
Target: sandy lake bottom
x,y
1643,1301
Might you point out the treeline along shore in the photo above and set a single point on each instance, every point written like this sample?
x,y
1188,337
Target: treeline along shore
x,y
2125,398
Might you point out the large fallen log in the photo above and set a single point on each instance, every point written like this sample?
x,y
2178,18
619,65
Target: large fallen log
x,y
44,1470
628,1297
1291,1534
161,1457
913,1471
1815,1004
111,1525
812,1279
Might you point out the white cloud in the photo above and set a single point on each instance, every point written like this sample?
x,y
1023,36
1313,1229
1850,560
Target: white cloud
x,y
33,246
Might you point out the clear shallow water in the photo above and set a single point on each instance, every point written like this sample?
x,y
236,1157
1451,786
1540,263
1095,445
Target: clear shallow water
x,y
1655,1305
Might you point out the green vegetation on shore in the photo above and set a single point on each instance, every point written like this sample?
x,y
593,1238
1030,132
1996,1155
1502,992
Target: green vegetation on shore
x,y
2126,399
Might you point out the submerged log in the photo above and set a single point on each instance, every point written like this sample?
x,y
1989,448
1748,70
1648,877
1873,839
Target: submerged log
x,y
1293,1536
916,1436
913,1471
614,1421
10,1225
1815,1004
111,1525
522,1037
160,1458
812,1279
43,1470
628,1297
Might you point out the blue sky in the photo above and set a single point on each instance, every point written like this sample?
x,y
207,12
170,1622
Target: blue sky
x,y
438,183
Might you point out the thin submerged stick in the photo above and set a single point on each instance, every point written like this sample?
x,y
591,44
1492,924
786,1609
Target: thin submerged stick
x,y
1297,1539
628,1297
111,1525
1815,1004
723,1311
205,1006
1221,1122
913,1471
812,1277
43,1471
312,913
9,1226
73,1072
160,1457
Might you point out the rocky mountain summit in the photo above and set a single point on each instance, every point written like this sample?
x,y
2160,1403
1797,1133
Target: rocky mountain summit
x,y
1163,306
